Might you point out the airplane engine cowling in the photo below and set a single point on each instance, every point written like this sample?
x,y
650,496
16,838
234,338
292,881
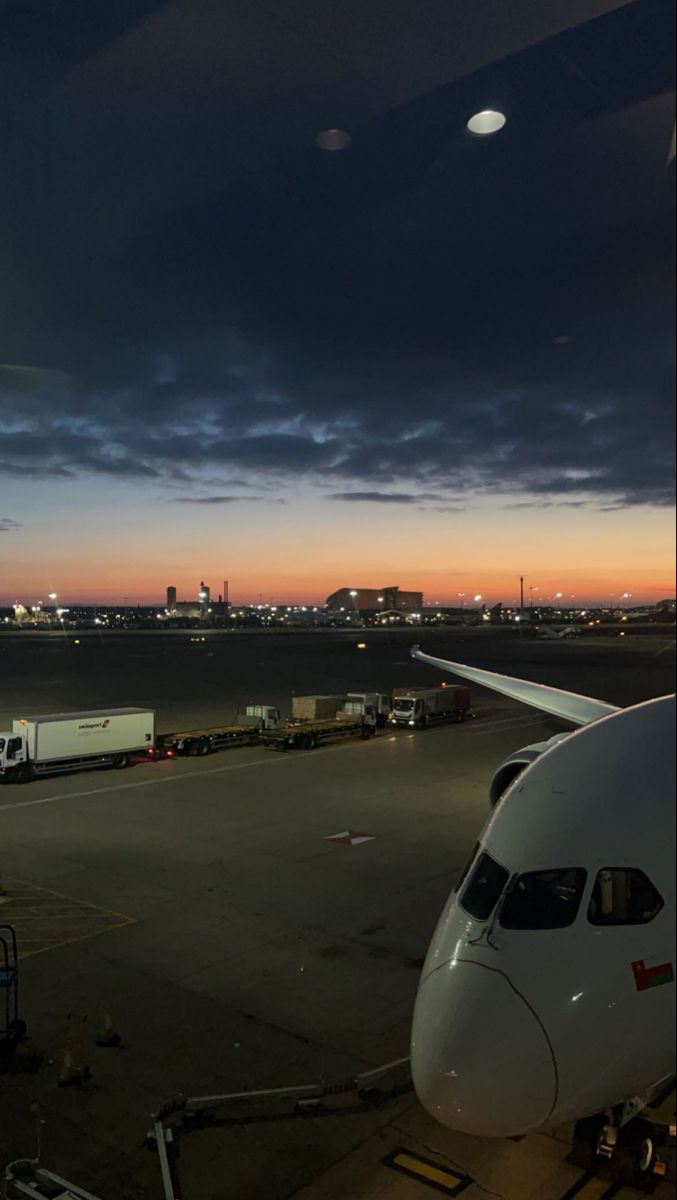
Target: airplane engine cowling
x,y
517,762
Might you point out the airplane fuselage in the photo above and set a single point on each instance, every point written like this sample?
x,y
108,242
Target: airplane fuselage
x,y
518,1027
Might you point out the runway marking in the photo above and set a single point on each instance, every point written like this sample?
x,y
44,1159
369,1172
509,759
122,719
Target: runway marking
x,y
351,839
591,1187
269,760
128,787
424,1170
505,723
46,920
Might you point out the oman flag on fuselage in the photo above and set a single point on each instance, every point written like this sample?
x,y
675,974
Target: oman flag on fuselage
x,y
648,977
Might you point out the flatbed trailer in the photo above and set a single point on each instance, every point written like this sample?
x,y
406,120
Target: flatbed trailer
x,y
204,741
306,735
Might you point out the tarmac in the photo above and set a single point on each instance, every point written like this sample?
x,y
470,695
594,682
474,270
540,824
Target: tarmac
x,y
203,907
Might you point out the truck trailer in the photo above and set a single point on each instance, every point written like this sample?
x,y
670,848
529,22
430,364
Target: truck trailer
x,y
244,732
306,735
418,708
64,742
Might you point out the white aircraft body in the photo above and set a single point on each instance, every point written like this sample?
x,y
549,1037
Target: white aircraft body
x,y
547,994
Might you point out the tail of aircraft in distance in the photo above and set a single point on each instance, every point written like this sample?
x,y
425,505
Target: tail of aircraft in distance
x,y
569,631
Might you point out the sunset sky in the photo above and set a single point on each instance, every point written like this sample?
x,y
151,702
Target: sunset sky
x,y
427,360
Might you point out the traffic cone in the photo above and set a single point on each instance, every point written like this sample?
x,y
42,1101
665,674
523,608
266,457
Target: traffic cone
x,y
73,1071
107,1035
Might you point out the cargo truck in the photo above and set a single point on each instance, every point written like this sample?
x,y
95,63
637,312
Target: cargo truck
x,y
244,732
64,742
357,702
418,708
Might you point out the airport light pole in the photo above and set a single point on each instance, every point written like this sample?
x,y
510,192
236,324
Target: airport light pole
x,y
533,588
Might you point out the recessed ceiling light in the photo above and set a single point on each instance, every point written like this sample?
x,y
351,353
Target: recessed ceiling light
x,y
487,122
333,139
562,339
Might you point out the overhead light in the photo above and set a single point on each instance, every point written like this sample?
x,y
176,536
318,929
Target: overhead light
x,y
333,139
487,122
562,339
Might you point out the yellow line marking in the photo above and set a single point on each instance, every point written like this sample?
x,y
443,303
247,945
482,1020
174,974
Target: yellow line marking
x,y
442,1179
594,1189
110,912
29,915
81,938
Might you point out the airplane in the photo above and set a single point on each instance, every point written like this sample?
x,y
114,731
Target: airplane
x,y
569,631
547,994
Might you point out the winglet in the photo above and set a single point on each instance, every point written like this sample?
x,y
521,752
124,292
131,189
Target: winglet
x,y
580,710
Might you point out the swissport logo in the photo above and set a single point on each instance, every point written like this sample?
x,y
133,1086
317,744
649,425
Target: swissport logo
x,y
95,724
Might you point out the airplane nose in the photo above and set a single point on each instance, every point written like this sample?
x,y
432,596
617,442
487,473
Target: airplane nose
x,y
481,1062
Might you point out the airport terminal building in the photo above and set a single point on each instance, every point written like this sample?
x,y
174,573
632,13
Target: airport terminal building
x,y
387,599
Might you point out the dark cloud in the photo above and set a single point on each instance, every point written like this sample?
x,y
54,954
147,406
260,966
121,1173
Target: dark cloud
x,y
196,305
443,508
376,497
7,525
601,434
224,500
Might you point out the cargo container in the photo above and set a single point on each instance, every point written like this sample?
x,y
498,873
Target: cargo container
x,y
418,708
315,708
64,742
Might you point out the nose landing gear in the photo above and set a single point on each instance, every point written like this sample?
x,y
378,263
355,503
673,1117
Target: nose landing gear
x,y
630,1155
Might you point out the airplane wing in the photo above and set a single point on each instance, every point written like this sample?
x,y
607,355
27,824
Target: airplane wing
x,y
580,710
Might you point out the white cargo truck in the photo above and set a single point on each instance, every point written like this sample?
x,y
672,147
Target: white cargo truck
x,y
357,702
64,742
420,707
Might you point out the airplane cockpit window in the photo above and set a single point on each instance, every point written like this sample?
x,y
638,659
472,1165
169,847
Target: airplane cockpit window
x,y
623,896
544,899
466,870
484,887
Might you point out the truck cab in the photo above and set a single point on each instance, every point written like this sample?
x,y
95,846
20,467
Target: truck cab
x,y
408,710
263,716
13,754
359,702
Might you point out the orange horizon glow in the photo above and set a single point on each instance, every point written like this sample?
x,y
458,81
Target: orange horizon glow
x,y
301,552
562,589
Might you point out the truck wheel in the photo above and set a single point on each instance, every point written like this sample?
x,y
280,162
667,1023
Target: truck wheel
x,y
120,761
23,774
459,717
203,747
